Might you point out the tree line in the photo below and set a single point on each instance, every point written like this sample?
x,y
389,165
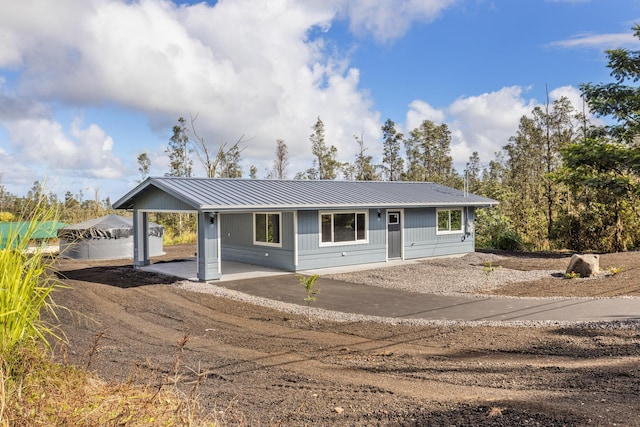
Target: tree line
x,y
72,208
562,181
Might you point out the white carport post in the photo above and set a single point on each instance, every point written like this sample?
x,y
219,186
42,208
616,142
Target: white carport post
x,y
209,262
140,238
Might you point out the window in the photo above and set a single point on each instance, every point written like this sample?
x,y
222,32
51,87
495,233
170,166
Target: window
x,y
266,229
450,221
343,227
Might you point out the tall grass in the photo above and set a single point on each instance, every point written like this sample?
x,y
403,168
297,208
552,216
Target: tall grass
x,y
37,391
25,285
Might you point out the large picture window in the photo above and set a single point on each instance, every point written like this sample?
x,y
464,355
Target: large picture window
x,y
266,229
449,220
343,227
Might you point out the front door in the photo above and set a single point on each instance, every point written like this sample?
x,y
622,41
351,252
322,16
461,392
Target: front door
x,y
394,235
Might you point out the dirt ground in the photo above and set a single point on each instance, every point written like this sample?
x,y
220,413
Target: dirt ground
x,y
251,365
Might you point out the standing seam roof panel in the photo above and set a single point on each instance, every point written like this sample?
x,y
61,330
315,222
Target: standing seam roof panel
x,y
208,193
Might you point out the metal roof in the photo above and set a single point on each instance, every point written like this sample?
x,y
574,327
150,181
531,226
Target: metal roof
x,y
218,194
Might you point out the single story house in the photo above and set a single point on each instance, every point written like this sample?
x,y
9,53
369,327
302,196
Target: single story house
x,y
297,225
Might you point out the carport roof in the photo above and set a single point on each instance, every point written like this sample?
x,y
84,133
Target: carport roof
x,y
216,194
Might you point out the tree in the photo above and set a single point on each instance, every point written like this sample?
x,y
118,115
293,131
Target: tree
x,y
559,125
70,201
524,179
348,170
230,162
327,165
212,163
311,173
603,176
492,178
180,165
392,161
603,169
429,154
364,170
535,200
36,194
619,100
281,161
178,151
472,173
143,166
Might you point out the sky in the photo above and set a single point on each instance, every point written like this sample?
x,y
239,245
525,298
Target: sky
x,y
88,85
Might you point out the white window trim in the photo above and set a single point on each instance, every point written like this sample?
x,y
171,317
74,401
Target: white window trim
x,y
351,242
273,245
389,213
462,218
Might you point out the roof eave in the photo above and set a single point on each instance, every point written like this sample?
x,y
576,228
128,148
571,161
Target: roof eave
x,y
286,207
126,201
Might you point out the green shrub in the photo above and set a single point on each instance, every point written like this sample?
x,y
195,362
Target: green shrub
x,y
311,292
571,275
614,270
508,240
495,231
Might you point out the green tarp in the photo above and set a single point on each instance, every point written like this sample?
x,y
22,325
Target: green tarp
x,y
43,230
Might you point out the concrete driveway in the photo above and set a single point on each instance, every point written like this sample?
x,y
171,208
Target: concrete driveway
x,y
375,301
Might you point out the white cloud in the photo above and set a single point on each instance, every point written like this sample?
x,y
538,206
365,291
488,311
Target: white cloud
x,y
598,41
420,111
231,64
43,142
14,170
390,19
484,123
572,94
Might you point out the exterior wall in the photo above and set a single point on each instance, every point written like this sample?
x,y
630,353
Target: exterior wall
x,y
156,199
311,255
237,242
421,239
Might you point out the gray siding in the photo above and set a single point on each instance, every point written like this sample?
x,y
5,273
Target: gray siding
x,y
155,199
237,242
422,241
311,255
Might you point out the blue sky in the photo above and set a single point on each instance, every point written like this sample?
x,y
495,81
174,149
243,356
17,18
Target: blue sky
x,y
86,86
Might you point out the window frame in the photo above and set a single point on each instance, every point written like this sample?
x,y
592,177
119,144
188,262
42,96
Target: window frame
x,y
449,230
397,217
357,241
255,229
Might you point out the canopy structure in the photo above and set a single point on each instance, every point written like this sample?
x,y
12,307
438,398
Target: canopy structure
x,y
107,237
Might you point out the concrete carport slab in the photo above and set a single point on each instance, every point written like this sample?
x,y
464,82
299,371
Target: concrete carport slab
x,y
231,270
